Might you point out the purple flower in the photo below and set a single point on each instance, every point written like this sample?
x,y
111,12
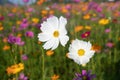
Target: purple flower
x,y
29,34
94,6
84,75
10,14
25,1
76,1
22,77
24,24
15,40
30,9
24,57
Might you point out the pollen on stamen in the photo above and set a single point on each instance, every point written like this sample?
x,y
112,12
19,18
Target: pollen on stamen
x,y
56,33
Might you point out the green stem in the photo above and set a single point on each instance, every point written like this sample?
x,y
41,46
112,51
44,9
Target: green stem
x,y
43,65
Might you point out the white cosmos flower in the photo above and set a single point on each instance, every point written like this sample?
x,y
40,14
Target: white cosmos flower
x,y
53,32
80,51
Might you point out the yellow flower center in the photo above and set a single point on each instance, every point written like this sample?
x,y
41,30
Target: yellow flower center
x,y
56,34
81,52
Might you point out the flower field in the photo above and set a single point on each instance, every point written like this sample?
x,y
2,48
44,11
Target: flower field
x,y
60,41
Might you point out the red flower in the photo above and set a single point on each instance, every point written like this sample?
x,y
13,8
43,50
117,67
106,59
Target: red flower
x,y
86,34
1,18
114,20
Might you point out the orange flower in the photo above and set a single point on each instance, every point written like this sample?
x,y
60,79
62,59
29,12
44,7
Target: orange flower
x,y
44,12
78,28
49,53
1,28
84,8
64,10
5,40
86,17
96,47
40,2
6,47
55,77
19,35
119,38
14,10
51,12
18,22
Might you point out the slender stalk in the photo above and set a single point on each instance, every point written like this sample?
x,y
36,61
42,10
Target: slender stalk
x,y
43,65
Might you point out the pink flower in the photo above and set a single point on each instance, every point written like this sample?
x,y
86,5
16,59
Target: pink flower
x,y
110,44
24,24
107,30
29,34
24,57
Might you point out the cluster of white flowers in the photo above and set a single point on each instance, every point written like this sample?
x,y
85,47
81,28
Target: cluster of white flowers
x,y
54,32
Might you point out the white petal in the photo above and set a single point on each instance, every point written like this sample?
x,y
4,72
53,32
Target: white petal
x,y
49,44
53,21
62,24
75,44
89,45
56,43
89,54
43,37
64,39
46,27
82,44
72,55
84,60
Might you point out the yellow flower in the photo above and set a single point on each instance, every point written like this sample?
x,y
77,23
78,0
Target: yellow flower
x,y
35,20
94,15
15,68
103,21
88,27
78,28
49,53
6,47
55,77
